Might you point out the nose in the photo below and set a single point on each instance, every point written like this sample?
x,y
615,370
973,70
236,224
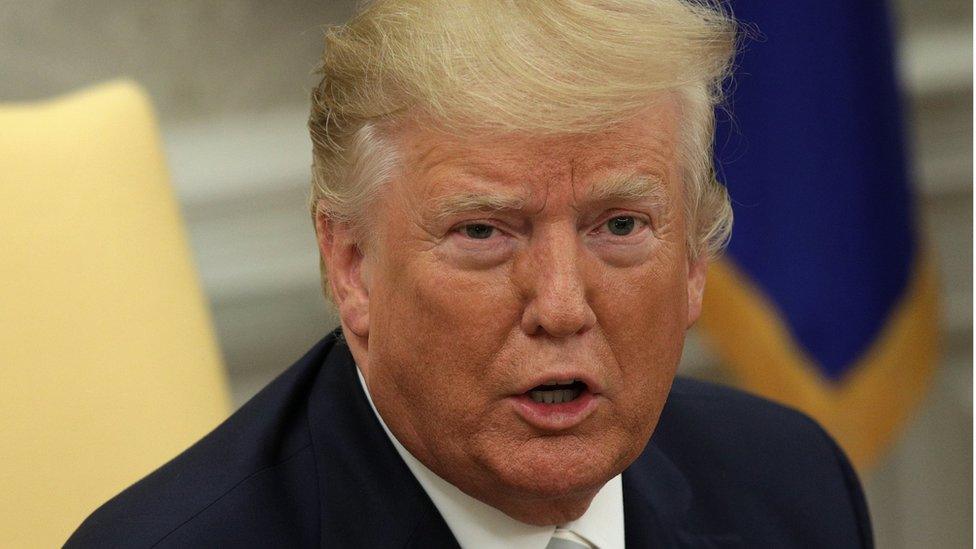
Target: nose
x,y
556,302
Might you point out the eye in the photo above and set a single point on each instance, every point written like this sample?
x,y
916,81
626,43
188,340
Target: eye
x,y
478,231
622,225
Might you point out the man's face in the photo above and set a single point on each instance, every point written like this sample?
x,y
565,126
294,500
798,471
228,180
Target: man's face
x,y
503,264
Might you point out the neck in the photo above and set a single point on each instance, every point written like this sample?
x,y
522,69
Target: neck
x,y
539,512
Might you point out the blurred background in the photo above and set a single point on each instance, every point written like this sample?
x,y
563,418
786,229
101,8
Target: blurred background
x,y
230,82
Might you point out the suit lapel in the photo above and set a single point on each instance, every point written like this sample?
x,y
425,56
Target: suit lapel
x,y
368,496
658,505
656,501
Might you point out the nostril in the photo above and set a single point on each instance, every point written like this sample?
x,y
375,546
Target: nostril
x,y
558,320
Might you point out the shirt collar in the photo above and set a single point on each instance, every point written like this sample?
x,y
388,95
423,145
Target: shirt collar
x,y
477,524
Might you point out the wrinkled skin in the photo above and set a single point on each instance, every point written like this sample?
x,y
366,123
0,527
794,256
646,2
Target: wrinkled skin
x,y
447,327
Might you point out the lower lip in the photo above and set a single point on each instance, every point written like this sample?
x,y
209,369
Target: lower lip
x,y
556,417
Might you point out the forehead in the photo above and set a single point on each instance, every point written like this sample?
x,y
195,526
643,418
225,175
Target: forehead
x,y
644,144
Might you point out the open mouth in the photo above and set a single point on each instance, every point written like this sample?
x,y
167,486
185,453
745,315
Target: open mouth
x,y
557,392
559,404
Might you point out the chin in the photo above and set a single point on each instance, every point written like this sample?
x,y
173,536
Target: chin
x,y
558,467
545,488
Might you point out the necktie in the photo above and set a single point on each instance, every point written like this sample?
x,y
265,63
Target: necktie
x,y
567,539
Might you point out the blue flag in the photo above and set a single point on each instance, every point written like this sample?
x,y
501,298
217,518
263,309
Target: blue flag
x,y
826,299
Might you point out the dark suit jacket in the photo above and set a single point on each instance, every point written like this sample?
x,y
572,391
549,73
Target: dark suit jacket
x,y
305,463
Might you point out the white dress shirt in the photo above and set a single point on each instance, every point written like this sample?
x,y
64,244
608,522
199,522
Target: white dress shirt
x,y
479,525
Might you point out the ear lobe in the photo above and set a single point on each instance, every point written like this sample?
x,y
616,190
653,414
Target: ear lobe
x,y
344,263
696,288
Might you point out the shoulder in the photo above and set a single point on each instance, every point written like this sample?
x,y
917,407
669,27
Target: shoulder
x,y
726,414
249,475
713,430
760,467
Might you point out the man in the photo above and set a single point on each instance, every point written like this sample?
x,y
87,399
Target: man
x,y
515,208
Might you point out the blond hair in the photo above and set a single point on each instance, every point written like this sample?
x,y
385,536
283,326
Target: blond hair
x,y
532,66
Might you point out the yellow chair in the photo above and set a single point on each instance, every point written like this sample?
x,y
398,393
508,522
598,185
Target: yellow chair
x,y
108,363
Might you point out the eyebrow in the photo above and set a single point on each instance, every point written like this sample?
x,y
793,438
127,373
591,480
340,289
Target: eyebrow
x,y
619,188
476,202
628,188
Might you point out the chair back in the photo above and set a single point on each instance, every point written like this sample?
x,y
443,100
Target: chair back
x,y
108,361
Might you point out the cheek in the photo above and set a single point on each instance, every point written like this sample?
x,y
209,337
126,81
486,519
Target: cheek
x,y
433,295
641,313
641,301
437,328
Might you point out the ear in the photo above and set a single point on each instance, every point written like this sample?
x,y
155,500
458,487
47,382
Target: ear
x,y
346,273
696,288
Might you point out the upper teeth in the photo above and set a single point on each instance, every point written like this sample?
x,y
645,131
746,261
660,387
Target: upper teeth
x,y
556,396
561,382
